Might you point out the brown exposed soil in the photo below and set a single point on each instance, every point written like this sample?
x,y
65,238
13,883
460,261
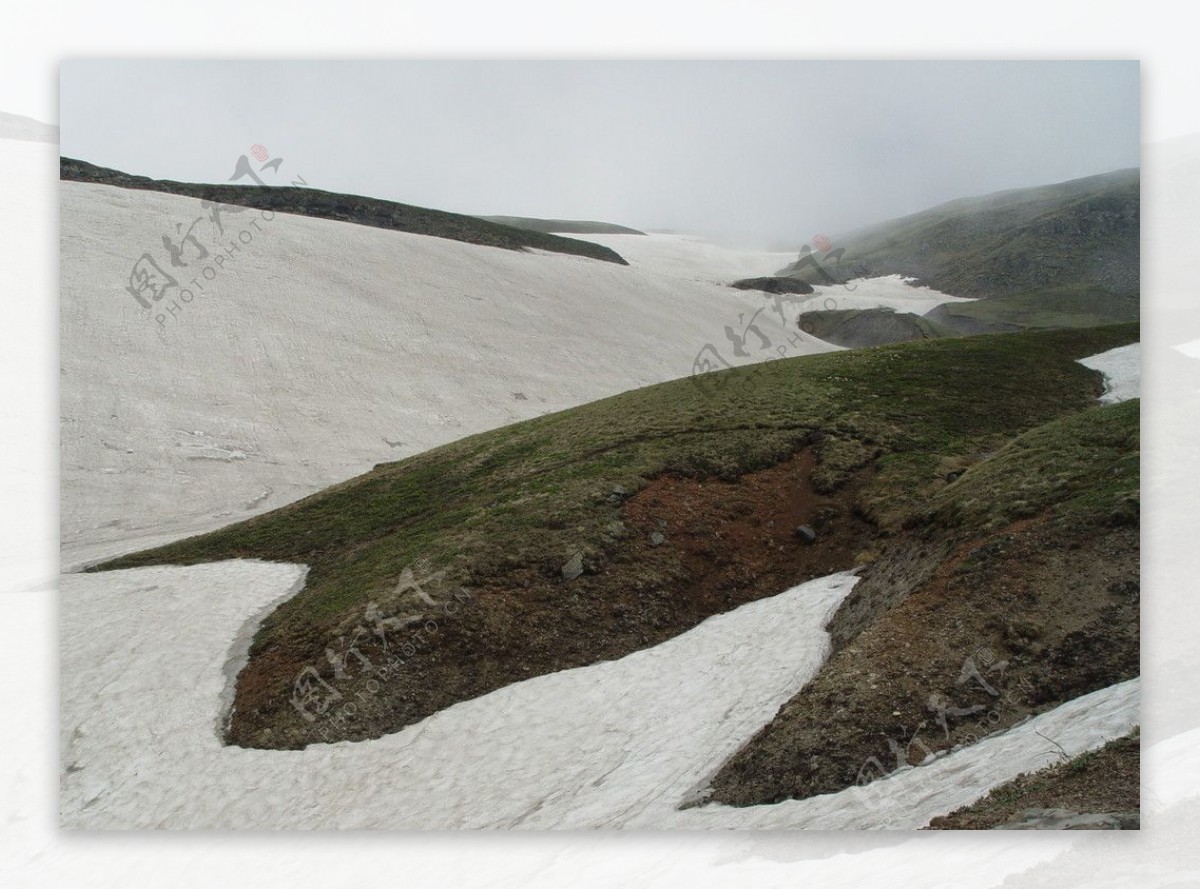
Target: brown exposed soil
x,y
1103,781
687,549
940,649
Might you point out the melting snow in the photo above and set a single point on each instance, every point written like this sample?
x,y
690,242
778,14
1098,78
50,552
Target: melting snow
x,y
148,655
886,292
1122,370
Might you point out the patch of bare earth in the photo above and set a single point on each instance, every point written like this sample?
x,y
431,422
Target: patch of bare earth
x,y
686,549
946,641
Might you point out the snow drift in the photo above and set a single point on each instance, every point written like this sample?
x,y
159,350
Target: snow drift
x,y
147,661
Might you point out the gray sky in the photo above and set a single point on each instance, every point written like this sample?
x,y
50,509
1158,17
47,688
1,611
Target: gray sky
x,y
764,152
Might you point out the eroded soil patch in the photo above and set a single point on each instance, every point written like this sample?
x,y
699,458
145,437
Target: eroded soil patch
x,y
687,548
1009,625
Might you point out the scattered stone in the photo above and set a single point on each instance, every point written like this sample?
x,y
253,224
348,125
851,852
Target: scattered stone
x,y
806,534
823,521
573,567
618,493
657,538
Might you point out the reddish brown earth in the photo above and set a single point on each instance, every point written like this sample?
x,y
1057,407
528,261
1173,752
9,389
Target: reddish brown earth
x,y
723,544
973,638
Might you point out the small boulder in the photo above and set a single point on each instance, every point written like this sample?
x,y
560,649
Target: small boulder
x,y
573,567
806,534
657,539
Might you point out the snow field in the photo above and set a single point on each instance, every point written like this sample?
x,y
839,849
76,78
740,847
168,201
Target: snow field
x,y
148,656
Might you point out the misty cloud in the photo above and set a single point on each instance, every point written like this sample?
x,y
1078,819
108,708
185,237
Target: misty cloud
x,y
771,152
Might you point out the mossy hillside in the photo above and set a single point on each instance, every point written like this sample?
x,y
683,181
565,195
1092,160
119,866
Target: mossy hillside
x,y
1077,306
1032,553
1084,232
533,493
1082,468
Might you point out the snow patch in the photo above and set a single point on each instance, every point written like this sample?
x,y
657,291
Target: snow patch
x,y
1122,370
690,257
895,292
619,744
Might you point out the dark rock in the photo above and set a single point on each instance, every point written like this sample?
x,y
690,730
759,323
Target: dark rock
x,y
775,285
806,534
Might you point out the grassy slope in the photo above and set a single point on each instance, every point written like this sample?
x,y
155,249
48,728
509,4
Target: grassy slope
x,y
1082,232
518,501
569,226
348,208
1080,306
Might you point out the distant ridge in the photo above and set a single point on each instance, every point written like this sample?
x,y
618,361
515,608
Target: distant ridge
x,y
26,129
347,208
569,226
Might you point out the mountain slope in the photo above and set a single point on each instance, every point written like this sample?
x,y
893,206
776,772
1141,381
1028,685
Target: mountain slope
x,y
321,348
1081,233
598,531
1015,588
347,208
